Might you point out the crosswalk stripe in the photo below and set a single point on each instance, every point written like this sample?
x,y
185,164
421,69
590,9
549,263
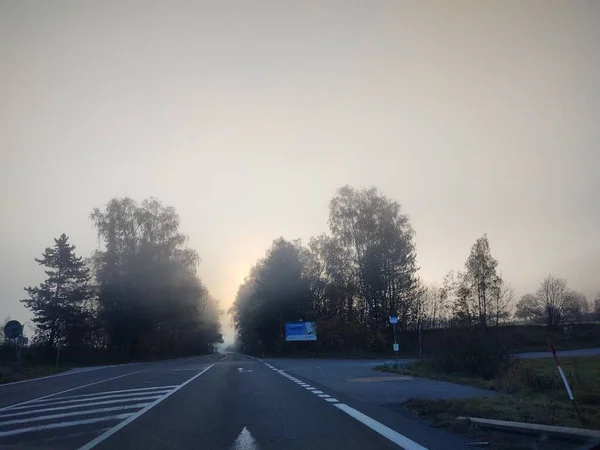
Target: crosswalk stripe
x,y
63,425
60,400
104,402
99,396
72,413
123,391
62,408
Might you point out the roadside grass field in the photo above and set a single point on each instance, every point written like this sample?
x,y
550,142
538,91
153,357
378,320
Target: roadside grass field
x,y
531,391
11,373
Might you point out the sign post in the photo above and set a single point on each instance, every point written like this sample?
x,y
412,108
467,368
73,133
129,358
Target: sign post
x,y
60,336
13,330
394,322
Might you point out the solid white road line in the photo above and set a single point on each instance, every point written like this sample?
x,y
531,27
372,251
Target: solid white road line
x,y
81,405
97,396
63,425
73,413
68,390
62,408
147,396
380,428
132,417
331,400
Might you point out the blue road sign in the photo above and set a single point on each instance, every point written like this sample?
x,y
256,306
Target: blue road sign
x,y
301,331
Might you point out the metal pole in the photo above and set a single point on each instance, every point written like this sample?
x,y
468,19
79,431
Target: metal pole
x,y
564,379
17,347
57,354
395,343
420,340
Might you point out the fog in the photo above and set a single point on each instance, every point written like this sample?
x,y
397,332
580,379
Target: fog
x,y
478,117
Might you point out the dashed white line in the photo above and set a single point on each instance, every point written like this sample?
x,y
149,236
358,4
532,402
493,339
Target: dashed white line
x,y
378,427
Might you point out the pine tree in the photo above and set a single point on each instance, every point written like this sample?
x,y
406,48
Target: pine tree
x,y
60,304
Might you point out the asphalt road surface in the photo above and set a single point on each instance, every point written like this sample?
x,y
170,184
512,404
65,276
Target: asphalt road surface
x,y
230,402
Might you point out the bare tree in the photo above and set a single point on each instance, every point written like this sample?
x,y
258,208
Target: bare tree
x,y
482,276
503,299
552,297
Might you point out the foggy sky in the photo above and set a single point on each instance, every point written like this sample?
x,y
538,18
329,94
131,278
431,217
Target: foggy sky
x,y
247,116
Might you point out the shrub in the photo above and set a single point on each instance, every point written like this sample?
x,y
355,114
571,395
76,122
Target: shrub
x,y
471,351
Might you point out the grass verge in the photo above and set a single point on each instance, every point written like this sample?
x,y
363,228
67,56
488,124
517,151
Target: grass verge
x,y
9,374
532,391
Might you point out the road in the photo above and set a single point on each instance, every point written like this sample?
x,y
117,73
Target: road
x,y
216,402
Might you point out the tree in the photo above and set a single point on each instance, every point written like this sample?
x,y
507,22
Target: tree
x,y
552,297
575,307
151,300
552,302
276,292
378,239
483,277
527,309
503,297
597,306
61,304
349,281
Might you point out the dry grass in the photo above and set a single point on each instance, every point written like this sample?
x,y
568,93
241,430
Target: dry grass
x,y
9,374
532,392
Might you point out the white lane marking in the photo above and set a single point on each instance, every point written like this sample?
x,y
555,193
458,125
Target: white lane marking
x,y
132,417
148,396
96,396
68,390
380,428
62,408
310,388
81,405
224,357
317,392
72,413
244,441
123,391
63,425
331,400
324,395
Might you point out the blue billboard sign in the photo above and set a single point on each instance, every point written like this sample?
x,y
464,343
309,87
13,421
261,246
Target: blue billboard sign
x,y
300,331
